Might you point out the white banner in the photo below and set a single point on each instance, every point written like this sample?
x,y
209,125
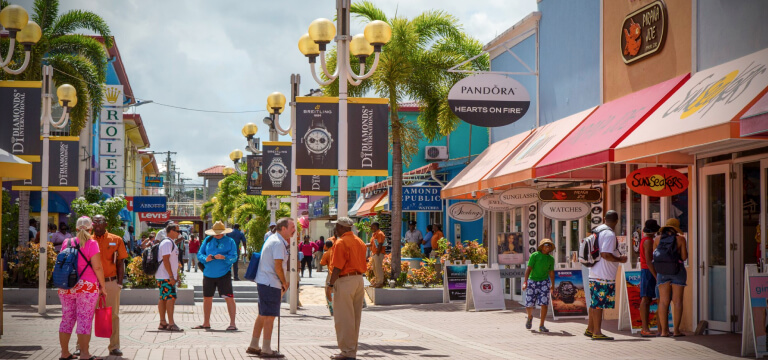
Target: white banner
x,y
111,163
115,131
111,147
111,180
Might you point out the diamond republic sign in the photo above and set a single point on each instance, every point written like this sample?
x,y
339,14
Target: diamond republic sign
x,y
421,198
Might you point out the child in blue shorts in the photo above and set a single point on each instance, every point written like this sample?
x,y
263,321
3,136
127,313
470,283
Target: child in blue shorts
x,y
539,278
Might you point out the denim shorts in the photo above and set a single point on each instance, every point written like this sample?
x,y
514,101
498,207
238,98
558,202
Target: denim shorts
x,y
269,300
677,279
647,284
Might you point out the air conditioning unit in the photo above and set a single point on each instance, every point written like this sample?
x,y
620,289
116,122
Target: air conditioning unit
x,y
436,153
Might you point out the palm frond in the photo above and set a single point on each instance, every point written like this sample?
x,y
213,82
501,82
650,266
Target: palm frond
x,y
86,85
87,46
74,20
367,11
45,12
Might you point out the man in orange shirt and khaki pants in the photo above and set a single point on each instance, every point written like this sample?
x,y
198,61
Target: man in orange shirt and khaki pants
x,y
113,254
377,254
346,283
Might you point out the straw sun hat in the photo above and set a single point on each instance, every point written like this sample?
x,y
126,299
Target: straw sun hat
x,y
218,229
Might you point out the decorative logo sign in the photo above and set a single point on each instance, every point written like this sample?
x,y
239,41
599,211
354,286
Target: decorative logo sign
x,y
153,181
565,210
20,104
492,202
657,181
317,136
253,174
520,196
465,211
489,100
155,216
113,95
578,195
367,136
643,32
276,165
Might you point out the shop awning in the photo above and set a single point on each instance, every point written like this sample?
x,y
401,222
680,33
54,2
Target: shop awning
x,y
468,180
705,111
370,204
383,205
520,165
56,203
359,202
13,168
593,142
755,121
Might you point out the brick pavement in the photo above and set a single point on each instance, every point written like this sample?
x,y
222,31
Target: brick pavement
x,y
388,332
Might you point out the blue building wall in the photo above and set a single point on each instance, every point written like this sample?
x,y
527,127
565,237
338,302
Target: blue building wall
x,y
728,30
526,51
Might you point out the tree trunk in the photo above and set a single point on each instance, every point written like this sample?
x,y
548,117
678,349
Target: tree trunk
x,y
395,199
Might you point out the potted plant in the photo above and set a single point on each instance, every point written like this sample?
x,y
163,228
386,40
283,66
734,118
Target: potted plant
x,y
412,254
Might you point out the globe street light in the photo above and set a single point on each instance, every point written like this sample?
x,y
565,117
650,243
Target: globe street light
x,y
16,20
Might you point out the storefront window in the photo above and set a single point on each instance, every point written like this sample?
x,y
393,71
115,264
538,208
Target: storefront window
x,y
678,208
654,209
518,219
619,203
636,226
564,227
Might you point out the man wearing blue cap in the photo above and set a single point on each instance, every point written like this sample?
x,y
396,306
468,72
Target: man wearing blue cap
x,y
271,231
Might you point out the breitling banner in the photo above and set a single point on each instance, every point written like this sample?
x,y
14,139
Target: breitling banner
x,y
317,131
276,168
315,185
367,136
254,175
20,105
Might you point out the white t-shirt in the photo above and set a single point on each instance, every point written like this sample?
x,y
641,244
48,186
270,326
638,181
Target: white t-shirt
x,y
167,247
604,269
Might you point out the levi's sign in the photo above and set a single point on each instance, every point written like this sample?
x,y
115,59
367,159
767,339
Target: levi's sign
x,y
154,204
489,100
154,217
465,211
579,195
657,181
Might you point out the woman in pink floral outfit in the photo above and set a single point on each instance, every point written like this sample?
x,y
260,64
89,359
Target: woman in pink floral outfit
x,y
78,304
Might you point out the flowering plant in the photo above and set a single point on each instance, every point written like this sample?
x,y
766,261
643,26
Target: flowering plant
x,y
412,250
24,265
426,275
91,205
468,250
136,276
387,266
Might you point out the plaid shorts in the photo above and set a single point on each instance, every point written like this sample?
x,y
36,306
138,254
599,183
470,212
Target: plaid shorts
x,y
167,291
602,294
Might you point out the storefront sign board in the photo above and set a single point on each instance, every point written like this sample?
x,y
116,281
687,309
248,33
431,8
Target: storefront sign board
x,y
568,296
643,32
510,248
492,202
578,195
156,217
421,198
657,181
754,340
465,211
631,301
520,196
484,291
489,100
153,181
565,210
149,204
455,283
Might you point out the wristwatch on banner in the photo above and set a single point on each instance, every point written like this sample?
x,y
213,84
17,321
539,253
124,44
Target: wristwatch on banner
x,y
277,172
567,292
317,140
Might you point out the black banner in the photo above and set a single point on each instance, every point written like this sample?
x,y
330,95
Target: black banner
x,y
20,106
368,136
315,185
276,167
62,168
317,131
253,175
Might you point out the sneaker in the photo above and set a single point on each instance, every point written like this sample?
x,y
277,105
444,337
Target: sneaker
x,y
529,323
543,329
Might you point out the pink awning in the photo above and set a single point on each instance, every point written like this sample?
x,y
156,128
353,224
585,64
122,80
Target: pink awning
x,y
754,123
593,141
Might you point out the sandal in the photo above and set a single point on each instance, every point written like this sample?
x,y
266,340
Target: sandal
x,y
647,334
232,328
678,335
587,333
273,355
162,326
601,337
70,357
253,351
201,327
174,328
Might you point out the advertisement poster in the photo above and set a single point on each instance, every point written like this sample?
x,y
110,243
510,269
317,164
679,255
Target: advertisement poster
x,y
276,165
317,131
62,168
367,136
510,248
754,327
456,282
633,296
253,174
484,290
316,185
568,297
20,106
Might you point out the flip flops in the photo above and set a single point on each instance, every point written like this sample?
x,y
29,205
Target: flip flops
x,y
173,328
162,327
587,333
647,334
253,351
201,327
232,328
543,329
601,337
273,355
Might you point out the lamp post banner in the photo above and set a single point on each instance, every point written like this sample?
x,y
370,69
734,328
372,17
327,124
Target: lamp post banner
x,y
276,166
62,168
20,107
253,174
317,131
367,136
315,185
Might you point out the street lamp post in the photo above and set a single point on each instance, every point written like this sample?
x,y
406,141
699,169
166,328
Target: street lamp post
x,y
16,20
313,44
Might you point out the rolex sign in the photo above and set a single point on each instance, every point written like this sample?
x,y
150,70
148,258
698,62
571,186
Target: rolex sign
x,y
489,100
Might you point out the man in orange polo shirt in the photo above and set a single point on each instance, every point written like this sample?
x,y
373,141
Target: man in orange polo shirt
x,y
113,257
348,264
437,236
377,254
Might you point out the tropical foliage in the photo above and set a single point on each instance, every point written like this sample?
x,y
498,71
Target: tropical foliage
x,y
412,250
468,250
80,60
24,266
426,275
10,224
92,203
402,276
413,66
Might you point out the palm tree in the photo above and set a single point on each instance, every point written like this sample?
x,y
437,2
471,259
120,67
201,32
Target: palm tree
x,y
80,60
413,66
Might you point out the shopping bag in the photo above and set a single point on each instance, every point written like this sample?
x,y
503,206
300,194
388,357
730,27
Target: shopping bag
x,y
103,319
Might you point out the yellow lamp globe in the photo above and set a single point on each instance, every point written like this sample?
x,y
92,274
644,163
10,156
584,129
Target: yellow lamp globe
x,y
322,31
236,155
359,46
378,32
67,95
30,34
14,17
307,46
275,102
226,172
249,129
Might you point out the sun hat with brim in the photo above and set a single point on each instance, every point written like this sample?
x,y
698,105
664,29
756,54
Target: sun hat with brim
x,y
218,229
672,224
651,226
546,242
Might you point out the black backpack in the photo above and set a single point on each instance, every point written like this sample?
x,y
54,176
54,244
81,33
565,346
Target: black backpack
x,y
149,259
666,257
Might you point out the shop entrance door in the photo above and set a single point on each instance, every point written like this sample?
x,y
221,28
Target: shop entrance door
x,y
716,254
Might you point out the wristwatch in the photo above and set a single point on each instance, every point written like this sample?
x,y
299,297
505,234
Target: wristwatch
x,y
277,172
567,292
329,285
317,140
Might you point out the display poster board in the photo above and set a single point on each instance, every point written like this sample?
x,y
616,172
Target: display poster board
x,y
484,290
568,296
754,340
455,282
510,248
629,307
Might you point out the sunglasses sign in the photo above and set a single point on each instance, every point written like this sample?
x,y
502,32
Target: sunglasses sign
x,y
657,181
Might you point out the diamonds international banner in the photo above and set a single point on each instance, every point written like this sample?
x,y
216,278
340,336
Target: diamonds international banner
x,y
276,168
62,167
253,175
368,136
20,106
317,135
317,185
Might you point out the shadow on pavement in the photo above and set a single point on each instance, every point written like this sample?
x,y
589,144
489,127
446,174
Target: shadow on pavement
x,y
372,351
18,352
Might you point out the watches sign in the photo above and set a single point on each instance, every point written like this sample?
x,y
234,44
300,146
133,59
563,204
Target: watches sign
x,y
489,100
317,131
276,168
657,181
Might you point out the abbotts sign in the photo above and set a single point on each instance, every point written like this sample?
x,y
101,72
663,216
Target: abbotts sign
x,y
465,211
643,32
492,202
565,210
657,181
578,195
489,100
520,196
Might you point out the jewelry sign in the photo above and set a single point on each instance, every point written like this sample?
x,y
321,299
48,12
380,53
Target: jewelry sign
x,y
489,100
276,166
62,167
315,185
20,104
368,136
253,174
317,131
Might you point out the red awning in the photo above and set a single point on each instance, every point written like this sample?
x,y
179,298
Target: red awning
x,y
592,143
370,204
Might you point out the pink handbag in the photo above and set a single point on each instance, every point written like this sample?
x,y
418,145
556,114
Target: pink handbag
x,y
103,319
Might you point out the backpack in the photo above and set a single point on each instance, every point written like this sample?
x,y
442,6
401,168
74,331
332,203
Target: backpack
x,y
149,259
666,258
589,249
253,267
65,274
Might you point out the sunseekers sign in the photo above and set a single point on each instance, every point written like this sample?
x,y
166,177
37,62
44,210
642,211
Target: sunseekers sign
x,y
489,100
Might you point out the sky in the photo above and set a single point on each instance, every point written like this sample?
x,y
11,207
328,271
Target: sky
x,y
228,55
